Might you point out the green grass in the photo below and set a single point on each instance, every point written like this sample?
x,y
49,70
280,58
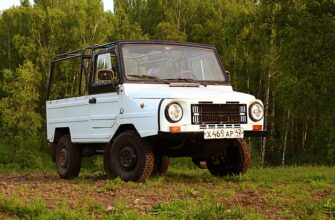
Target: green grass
x,y
35,209
185,209
12,165
184,193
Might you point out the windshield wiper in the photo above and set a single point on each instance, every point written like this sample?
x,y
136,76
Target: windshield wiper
x,y
189,81
186,79
149,77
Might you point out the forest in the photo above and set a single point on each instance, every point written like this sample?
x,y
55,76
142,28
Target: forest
x,y
283,52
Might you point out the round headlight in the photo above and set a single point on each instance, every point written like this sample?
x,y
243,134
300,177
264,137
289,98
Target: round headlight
x,y
256,111
173,112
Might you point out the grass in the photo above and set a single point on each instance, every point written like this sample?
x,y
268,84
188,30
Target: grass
x,y
9,165
184,193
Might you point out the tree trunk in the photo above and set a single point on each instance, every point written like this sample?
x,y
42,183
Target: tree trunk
x,y
285,139
265,124
273,123
304,136
248,78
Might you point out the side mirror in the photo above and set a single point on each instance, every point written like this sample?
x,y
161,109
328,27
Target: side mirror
x,y
104,75
228,74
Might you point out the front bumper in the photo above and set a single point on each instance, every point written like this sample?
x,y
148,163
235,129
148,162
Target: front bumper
x,y
193,144
200,134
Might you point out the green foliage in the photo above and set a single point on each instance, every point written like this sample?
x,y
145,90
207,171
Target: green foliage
x,y
281,52
19,118
167,31
4,153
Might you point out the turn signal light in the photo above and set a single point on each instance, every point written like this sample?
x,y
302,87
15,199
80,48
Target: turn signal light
x,y
257,127
175,129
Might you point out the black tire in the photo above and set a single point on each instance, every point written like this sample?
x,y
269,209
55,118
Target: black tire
x,y
131,158
234,160
68,158
106,160
161,165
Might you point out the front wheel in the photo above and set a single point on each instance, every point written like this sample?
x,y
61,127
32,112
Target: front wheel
x,y
106,160
235,159
130,157
161,165
68,158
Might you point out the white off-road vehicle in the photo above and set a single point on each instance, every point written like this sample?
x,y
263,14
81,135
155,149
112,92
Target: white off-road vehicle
x,y
138,103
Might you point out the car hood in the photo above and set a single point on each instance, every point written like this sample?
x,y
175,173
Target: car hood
x,y
161,91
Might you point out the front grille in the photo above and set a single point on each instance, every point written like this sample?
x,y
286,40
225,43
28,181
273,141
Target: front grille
x,y
219,114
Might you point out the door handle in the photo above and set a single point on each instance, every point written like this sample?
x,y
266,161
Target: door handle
x,y
92,100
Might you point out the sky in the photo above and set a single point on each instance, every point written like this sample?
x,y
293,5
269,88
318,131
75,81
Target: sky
x,y
4,4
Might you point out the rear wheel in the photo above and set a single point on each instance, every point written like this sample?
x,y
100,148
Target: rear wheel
x,y
130,157
68,158
234,160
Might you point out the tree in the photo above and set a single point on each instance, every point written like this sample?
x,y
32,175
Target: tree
x,y
167,31
20,121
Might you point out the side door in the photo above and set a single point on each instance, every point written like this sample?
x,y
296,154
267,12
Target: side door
x,y
68,104
104,97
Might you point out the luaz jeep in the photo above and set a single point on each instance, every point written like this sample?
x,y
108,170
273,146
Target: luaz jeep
x,y
138,103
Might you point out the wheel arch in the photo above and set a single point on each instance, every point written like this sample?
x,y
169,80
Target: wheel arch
x,y
124,127
59,132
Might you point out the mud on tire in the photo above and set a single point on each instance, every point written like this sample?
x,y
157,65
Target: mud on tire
x,y
68,158
234,160
130,158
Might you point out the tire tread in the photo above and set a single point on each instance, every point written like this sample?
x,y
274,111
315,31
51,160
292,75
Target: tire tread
x,y
74,158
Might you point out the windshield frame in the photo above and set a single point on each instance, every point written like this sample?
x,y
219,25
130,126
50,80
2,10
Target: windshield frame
x,y
172,43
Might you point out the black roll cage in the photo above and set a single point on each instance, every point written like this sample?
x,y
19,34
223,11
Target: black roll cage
x,y
89,52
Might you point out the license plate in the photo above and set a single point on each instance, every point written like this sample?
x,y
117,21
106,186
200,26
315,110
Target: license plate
x,y
223,133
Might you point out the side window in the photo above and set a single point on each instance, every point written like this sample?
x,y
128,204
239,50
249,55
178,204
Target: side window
x,y
106,69
67,80
115,67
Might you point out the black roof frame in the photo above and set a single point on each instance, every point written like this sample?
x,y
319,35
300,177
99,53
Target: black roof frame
x,y
82,53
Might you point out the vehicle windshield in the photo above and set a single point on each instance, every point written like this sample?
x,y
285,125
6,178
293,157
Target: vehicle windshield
x,y
171,62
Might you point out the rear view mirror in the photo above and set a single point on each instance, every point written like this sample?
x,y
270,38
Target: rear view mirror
x,y
228,74
104,74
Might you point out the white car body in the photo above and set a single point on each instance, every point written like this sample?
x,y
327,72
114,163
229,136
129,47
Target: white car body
x,y
138,105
